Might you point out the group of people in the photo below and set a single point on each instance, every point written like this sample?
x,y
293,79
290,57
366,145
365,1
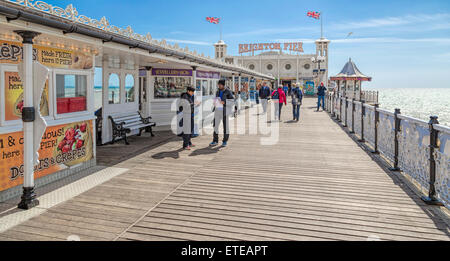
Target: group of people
x,y
223,108
224,104
279,97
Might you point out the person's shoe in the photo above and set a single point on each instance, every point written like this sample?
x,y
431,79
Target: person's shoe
x,y
213,143
192,146
187,148
224,144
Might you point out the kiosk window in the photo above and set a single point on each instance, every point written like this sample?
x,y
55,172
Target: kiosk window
x,y
129,87
170,87
114,89
71,91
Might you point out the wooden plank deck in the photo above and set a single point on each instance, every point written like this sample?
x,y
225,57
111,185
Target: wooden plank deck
x,y
316,183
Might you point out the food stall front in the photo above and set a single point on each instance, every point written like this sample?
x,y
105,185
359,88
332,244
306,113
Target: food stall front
x,y
68,144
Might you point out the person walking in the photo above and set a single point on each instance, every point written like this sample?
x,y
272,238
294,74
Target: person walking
x,y
279,98
223,107
187,108
286,89
297,98
264,95
321,93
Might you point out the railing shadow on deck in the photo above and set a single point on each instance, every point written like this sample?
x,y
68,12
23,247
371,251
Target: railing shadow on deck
x,y
440,219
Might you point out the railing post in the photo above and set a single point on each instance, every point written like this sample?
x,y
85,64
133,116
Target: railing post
x,y
340,108
434,136
377,121
346,110
353,115
363,112
333,105
396,144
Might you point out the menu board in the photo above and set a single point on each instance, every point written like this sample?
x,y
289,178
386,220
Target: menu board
x,y
12,53
62,146
14,97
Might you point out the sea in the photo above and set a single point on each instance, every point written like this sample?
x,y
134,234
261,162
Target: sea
x,y
420,103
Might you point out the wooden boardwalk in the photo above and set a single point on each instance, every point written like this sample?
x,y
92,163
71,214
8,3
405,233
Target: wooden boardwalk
x,y
316,183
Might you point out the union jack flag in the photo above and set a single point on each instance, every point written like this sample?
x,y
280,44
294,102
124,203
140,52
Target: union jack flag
x,y
315,15
213,20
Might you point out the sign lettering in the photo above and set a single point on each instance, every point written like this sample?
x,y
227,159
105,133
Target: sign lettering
x,y
294,47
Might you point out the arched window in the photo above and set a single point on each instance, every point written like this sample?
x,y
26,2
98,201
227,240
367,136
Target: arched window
x,y
114,89
129,88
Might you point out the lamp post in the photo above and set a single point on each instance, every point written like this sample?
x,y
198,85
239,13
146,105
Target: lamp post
x,y
318,60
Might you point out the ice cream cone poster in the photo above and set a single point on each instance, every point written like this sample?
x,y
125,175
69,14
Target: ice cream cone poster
x,y
11,52
14,97
62,146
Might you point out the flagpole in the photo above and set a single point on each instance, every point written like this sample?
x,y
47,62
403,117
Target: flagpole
x,y
321,25
220,21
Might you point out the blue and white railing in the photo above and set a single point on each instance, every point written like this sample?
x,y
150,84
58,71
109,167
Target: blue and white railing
x,y
419,149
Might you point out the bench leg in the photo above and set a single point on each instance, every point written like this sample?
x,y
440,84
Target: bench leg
x,y
125,138
151,132
113,140
140,132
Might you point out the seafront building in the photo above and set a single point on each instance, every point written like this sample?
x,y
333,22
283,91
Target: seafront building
x,y
284,61
151,75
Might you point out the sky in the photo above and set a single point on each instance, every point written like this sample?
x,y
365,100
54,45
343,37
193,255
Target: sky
x,y
401,44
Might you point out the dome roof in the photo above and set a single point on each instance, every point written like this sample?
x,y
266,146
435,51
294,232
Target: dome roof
x,y
351,71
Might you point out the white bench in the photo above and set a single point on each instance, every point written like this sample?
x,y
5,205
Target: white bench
x,y
125,124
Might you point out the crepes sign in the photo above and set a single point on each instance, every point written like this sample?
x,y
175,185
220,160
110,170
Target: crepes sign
x,y
12,53
62,147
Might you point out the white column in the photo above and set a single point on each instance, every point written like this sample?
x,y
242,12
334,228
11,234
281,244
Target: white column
x,y
29,197
28,126
240,89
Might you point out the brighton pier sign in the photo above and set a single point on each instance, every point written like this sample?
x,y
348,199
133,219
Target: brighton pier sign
x,y
247,48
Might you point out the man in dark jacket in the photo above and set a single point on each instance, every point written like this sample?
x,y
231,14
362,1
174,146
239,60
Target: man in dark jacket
x,y
321,93
223,107
264,95
187,107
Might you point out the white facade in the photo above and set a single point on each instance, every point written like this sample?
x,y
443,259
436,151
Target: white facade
x,y
285,66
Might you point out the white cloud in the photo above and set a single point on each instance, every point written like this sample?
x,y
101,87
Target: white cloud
x,y
187,42
270,31
392,21
374,40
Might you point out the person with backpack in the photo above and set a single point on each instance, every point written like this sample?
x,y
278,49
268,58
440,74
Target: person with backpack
x,y
321,94
223,107
264,95
186,109
279,98
297,98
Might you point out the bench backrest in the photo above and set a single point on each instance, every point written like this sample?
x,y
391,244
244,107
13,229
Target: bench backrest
x,y
128,119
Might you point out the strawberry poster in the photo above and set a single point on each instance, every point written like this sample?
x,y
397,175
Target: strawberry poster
x,y
14,97
62,146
